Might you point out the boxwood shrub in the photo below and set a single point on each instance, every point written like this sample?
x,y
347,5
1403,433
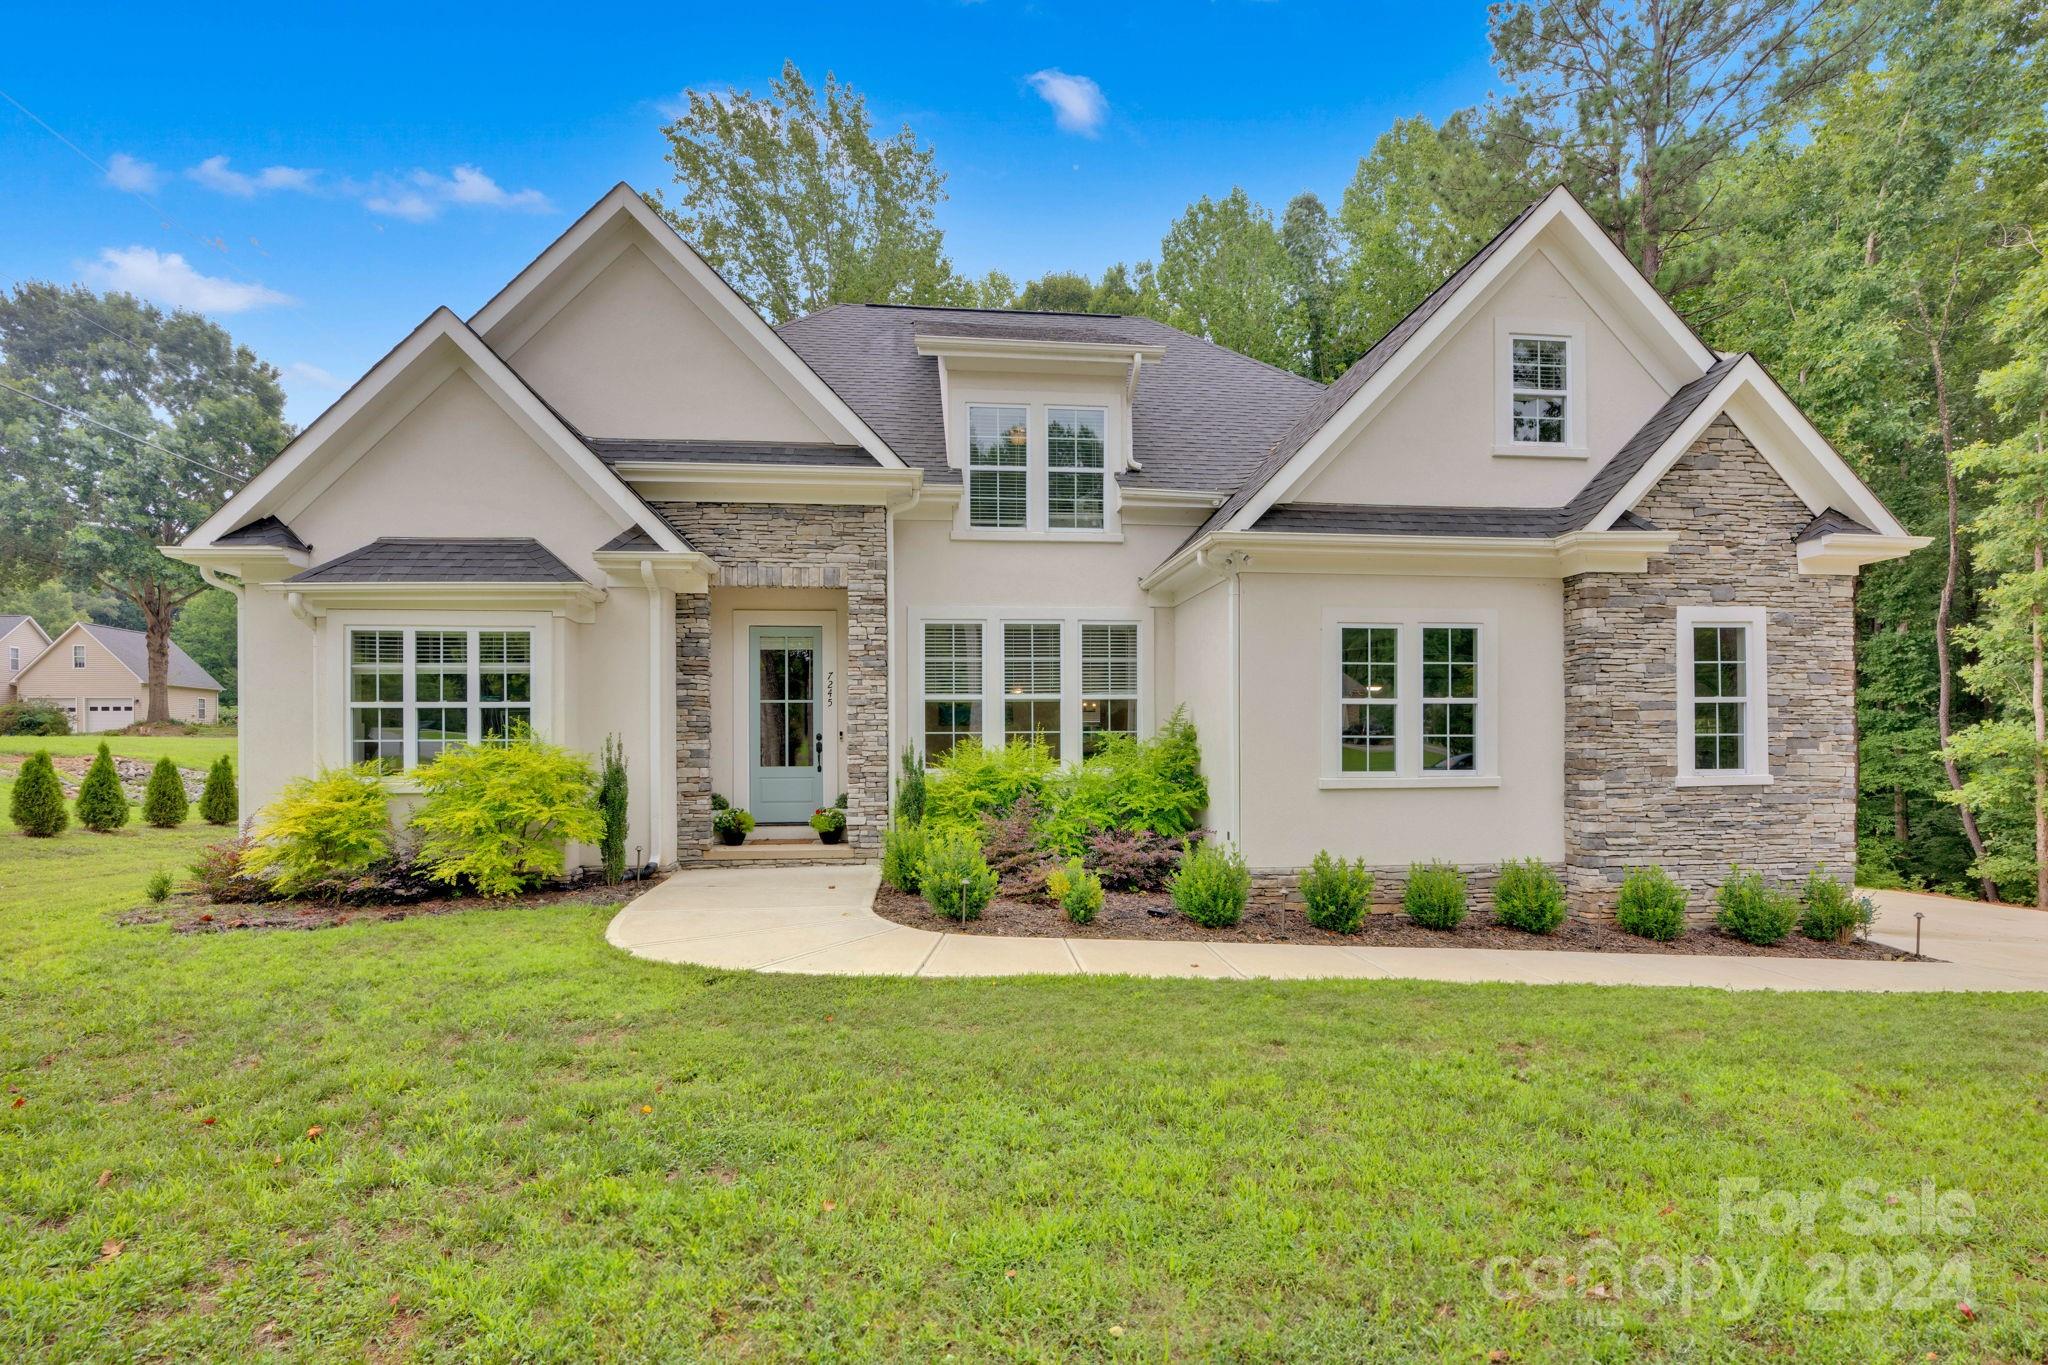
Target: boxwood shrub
x,y
1752,911
1828,913
1529,897
955,879
1212,885
1435,895
1651,905
1337,893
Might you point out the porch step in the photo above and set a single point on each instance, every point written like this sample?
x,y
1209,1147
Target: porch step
x,y
780,851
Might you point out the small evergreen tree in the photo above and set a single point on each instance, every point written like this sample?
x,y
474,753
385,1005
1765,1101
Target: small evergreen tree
x,y
611,804
37,807
163,800
217,804
102,805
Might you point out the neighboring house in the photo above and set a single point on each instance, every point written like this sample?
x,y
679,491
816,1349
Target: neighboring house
x,y
99,676
21,639
1540,575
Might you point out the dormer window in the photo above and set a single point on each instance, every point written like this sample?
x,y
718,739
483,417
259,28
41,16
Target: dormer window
x,y
998,460
1073,478
1542,367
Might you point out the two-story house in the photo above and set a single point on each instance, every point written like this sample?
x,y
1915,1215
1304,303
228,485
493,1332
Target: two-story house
x,y
1542,574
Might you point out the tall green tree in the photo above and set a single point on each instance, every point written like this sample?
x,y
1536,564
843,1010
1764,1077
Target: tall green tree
x,y
205,629
122,427
799,204
1314,263
1634,103
1223,275
993,290
1118,292
1057,291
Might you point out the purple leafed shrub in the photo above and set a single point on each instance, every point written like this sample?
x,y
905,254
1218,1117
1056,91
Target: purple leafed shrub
x,y
1137,860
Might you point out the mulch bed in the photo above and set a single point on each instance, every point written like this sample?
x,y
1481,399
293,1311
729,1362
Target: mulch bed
x,y
188,913
1152,916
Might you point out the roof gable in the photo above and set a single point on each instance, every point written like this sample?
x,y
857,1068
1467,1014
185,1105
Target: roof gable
x,y
437,349
130,649
621,228
10,622
1556,220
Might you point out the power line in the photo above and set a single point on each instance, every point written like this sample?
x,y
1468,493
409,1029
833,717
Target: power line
x,y
124,435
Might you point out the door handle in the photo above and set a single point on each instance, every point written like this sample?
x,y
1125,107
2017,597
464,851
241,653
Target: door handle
x,y
818,750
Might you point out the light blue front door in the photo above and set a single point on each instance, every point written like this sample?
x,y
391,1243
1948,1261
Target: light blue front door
x,y
788,778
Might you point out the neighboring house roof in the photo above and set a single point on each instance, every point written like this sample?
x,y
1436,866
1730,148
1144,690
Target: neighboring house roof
x,y
265,531
9,620
130,649
618,450
1203,415
405,559
1828,523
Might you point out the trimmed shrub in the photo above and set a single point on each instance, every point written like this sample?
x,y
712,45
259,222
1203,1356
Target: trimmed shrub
x,y
954,878
322,828
611,808
1435,895
731,824
972,781
902,851
217,800
158,887
37,805
910,792
1752,911
1077,890
163,800
1212,885
33,718
102,804
1828,913
719,803
830,823
1529,897
220,873
1651,905
1866,914
1137,860
1337,893
498,817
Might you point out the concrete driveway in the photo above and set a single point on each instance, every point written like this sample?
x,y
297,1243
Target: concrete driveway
x,y
818,920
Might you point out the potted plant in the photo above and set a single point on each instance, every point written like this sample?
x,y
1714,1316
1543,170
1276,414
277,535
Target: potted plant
x,y
732,825
830,822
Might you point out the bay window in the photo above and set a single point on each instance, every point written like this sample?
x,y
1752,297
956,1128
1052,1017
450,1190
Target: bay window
x,y
414,692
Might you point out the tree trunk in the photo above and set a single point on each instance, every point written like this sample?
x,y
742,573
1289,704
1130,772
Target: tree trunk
x,y
1900,830
1945,616
2040,729
158,607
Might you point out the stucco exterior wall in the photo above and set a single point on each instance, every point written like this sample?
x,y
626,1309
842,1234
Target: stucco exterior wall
x,y
1288,704
629,355
1433,441
1736,522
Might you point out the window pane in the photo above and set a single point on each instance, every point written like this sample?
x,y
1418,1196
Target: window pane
x,y
997,449
947,722
377,735
996,497
1539,362
1031,659
1106,716
500,722
1368,738
1074,501
1109,659
1033,722
1369,669
1539,419
774,734
952,660
1073,438
996,435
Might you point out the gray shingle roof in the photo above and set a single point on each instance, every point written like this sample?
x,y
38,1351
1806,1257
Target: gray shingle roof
x,y
9,620
1635,452
131,647
1083,327
264,531
1204,415
404,559
613,450
1375,519
633,538
1834,521
1347,385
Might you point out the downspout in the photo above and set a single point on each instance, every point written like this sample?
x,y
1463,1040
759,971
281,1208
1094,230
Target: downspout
x,y
654,679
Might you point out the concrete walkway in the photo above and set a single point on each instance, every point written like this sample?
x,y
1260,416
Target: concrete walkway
x,y
818,920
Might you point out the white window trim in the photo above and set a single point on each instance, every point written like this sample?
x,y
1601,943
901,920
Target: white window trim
x,y
1037,518
992,620
14,658
979,697
409,703
78,656
1408,625
330,702
1756,739
1576,380
1108,694
969,467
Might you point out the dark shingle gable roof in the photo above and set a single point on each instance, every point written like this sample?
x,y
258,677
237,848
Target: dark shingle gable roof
x,y
9,620
264,531
131,647
614,450
1635,452
1834,521
1204,415
403,559
632,538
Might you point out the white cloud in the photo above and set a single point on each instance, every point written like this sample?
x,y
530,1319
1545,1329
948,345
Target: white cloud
x,y
312,375
125,172
423,194
1077,102
217,175
170,279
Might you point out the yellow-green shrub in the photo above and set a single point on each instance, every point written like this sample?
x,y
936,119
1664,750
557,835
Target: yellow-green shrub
x,y
499,816
321,828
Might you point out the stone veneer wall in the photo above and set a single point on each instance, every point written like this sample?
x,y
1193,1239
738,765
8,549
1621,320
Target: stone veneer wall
x,y
1736,521
785,545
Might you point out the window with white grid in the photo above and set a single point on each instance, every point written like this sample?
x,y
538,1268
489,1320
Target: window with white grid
x,y
1109,682
1540,390
415,692
1031,684
998,459
1073,475
952,685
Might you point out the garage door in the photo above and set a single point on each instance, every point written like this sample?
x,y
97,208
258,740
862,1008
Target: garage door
x,y
108,713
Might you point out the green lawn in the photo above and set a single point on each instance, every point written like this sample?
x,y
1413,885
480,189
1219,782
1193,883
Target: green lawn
x,y
187,751
535,1147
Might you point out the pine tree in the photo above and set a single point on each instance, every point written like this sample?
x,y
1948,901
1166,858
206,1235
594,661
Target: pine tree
x,y
37,807
217,803
102,805
611,803
163,800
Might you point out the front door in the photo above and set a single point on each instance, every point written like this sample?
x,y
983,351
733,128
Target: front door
x,y
788,777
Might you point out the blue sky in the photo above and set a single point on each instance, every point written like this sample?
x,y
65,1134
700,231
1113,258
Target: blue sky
x,y
321,184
